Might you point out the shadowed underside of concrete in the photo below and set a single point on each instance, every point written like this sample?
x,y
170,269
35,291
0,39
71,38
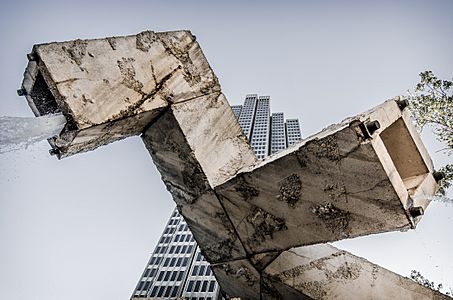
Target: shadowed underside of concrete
x,y
261,224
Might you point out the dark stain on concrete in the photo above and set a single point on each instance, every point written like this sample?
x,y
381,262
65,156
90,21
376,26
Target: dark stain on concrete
x,y
246,190
268,291
219,251
145,40
335,219
347,271
112,42
128,72
261,261
290,189
242,273
76,50
181,53
325,148
335,191
160,87
264,223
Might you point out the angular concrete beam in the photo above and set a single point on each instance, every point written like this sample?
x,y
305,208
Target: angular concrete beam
x,y
349,180
195,153
112,88
325,272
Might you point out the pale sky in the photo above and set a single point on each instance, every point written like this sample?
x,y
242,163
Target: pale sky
x,y
84,227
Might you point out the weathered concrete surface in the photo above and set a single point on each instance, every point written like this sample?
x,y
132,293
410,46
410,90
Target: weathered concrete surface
x,y
192,163
337,184
238,279
114,87
365,175
325,272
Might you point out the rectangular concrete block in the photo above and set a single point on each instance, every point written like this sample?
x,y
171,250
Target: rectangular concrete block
x,y
195,154
349,180
214,136
99,83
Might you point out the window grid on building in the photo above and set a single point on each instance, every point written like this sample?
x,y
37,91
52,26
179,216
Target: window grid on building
x,y
293,131
278,136
170,264
260,134
236,110
247,115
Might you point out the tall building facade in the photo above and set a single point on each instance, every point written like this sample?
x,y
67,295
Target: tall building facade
x,y
177,269
267,134
278,136
293,134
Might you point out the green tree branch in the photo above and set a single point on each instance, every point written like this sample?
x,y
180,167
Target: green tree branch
x,y
431,104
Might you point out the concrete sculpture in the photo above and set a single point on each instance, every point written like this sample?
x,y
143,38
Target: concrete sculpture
x,y
261,224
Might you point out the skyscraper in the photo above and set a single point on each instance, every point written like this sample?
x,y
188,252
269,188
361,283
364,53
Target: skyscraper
x,y
293,134
278,136
261,128
177,268
247,115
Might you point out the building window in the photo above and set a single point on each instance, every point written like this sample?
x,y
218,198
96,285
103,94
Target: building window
x,y
180,275
205,286
174,292
201,270
167,261
147,273
211,286
173,275
161,291
161,275
185,261
167,275
167,292
154,292
179,261
197,286
190,286
195,270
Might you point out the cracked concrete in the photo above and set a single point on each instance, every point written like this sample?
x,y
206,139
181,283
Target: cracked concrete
x,y
342,182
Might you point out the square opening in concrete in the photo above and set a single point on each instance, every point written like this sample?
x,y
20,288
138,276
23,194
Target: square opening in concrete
x,y
405,154
45,102
42,97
